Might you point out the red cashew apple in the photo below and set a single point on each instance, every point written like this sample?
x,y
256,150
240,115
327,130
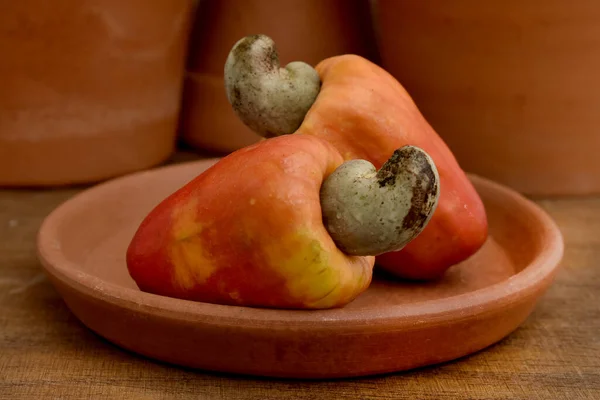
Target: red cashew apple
x,y
266,225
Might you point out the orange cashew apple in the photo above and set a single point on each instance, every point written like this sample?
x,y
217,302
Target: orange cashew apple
x,y
365,114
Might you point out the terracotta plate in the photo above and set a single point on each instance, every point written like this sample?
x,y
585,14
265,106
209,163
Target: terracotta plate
x,y
393,326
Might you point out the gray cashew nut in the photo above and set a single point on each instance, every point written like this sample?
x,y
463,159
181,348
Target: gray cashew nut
x,y
272,101
369,212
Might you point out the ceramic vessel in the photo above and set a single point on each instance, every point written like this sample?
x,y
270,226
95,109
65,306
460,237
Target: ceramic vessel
x,y
512,86
304,30
89,89
392,326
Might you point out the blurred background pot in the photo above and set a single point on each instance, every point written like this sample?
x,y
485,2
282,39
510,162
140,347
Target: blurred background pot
x,y
88,89
305,30
512,86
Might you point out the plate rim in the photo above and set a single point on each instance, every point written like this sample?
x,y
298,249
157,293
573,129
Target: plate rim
x,y
436,311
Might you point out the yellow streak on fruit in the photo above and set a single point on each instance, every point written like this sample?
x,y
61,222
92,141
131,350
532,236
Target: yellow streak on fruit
x,y
191,266
317,277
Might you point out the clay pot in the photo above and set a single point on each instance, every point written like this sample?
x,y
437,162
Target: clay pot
x,y
512,86
306,30
90,89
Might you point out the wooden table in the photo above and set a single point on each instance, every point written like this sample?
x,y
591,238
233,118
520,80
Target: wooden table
x,y
46,353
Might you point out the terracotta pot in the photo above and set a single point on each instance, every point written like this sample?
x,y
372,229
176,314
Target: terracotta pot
x,y
306,30
512,86
90,89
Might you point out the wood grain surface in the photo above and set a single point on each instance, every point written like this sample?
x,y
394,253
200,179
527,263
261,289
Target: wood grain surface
x,y
46,353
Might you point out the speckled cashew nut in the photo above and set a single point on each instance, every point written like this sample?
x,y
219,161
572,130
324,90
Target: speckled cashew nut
x,y
272,101
369,212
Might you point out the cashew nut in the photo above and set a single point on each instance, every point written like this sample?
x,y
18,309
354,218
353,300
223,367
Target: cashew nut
x,y
369,212
272,101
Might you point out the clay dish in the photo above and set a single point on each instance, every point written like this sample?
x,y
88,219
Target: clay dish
x,y
393,326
